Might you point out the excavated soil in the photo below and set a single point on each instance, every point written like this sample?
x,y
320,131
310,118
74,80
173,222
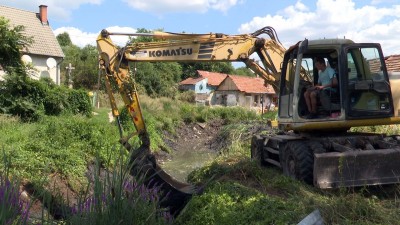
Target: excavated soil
x,y
191,147
193,137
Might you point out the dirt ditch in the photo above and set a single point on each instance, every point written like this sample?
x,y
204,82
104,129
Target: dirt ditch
x,y
192,146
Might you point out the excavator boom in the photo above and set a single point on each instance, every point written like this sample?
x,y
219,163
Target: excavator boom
x,y
214,47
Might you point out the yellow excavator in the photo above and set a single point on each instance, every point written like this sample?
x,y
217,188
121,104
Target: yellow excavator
x,y
320,151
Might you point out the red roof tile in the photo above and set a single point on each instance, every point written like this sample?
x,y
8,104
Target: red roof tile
x,y
191,80
214,78
251,84
243,83
393,63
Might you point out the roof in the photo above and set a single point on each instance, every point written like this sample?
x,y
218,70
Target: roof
x,y
45,43
251,84
191,81
214,78
393,63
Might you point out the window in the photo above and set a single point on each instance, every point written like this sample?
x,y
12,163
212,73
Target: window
x,y
368,91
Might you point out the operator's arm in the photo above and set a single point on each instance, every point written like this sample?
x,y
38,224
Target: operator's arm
x,y
332,84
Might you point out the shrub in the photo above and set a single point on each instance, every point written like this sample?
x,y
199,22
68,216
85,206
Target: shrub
x,y
25,109
30,99
54,103
79,102
187,96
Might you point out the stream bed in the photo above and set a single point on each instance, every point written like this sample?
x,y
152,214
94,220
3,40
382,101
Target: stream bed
x,y
184,162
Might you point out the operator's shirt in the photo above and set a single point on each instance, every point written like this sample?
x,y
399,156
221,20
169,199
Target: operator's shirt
x,y
326,76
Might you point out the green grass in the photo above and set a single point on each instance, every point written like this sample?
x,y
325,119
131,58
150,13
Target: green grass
x,y
63,145
237,190
241,192
384,129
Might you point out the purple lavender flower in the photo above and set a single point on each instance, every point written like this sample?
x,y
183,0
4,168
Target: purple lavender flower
x,y
13,208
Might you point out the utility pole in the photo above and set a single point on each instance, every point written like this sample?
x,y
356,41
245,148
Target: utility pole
x,y
69,69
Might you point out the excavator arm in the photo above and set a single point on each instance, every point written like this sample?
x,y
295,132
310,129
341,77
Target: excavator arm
x,y
213,47
167,47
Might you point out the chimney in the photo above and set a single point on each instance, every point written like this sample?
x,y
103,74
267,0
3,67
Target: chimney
x,y
43,14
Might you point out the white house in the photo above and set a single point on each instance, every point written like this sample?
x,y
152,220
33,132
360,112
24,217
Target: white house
x,y
44,54
248,92
204,84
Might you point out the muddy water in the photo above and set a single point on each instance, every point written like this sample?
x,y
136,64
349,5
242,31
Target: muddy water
x,y
185,161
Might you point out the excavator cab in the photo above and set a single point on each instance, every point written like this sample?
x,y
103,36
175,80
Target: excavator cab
x,y
322,151
363,89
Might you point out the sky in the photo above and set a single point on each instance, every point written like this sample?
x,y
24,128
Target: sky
x,y
294,20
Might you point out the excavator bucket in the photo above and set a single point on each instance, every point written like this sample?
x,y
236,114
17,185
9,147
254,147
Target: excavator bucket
x,y
357,168
174,194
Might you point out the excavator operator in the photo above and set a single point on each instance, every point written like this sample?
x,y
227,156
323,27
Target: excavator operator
x,y
326,79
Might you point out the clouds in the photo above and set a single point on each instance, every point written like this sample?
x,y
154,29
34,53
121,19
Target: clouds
x,y
362,21
334,19
81,38
60,10
185,6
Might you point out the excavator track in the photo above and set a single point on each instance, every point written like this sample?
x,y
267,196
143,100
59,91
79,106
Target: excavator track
x,y
332,160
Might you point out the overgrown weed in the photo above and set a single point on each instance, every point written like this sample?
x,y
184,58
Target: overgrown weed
x,y
118,198
63,144
13,209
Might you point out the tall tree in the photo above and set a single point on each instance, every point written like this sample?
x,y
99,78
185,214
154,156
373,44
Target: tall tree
x,y
142,38
86,69
11,44
83,60
244,71
158,78
64,39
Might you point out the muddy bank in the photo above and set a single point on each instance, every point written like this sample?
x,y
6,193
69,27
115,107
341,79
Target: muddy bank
x,y
192,147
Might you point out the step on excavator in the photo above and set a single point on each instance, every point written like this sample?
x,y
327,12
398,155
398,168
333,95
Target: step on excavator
x,y
320,150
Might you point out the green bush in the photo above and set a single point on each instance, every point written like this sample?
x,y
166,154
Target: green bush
x,y
22,96
79,102
54,103
25,109
187,96
188,113
30,99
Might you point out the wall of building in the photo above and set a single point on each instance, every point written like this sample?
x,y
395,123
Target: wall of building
x,y
41,70
201,87
249,101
